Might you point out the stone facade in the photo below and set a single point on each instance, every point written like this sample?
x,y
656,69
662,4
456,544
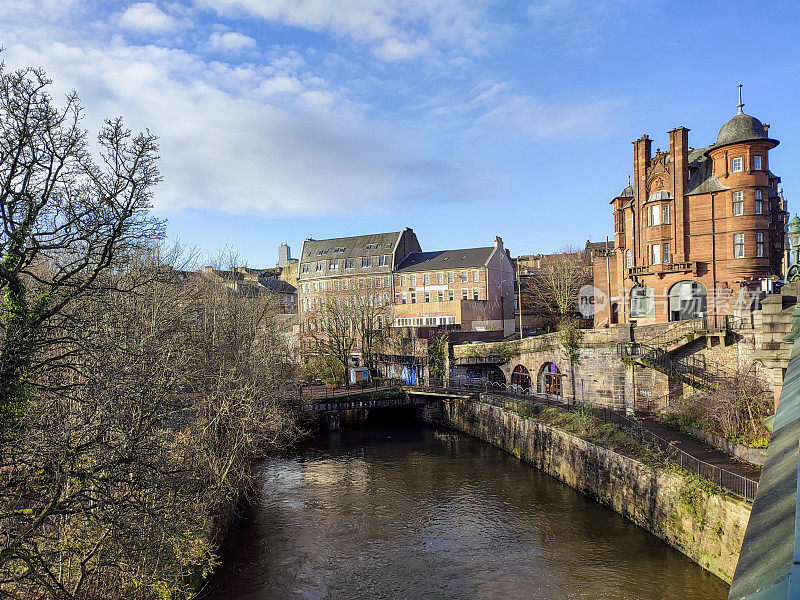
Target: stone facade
x,y
697,230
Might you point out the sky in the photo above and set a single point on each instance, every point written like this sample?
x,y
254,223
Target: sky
x,y
280,120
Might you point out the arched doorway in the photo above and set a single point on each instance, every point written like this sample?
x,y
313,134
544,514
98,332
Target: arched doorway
x,y
614,313
550,380
521,377
687,300
495,375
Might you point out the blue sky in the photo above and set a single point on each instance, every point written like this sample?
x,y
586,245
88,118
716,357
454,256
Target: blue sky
x,y
280,119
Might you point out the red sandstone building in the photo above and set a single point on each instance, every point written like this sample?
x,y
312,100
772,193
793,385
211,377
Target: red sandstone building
x,y
697,231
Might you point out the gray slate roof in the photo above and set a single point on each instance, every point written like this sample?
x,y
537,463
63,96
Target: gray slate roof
x,y
741,128
277,286
627,192
353,246
446,259
701,178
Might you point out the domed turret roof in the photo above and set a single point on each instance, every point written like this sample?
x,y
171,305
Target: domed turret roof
x,y
741,128
627,192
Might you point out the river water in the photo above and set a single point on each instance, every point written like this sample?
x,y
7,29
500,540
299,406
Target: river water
x,y
411,511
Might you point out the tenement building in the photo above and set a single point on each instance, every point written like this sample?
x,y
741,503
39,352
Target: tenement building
x,y
341,275
697,232
470,289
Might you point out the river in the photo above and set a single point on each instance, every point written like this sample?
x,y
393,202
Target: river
x,y
411,511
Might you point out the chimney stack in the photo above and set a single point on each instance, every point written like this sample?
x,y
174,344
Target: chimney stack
x,y
498,242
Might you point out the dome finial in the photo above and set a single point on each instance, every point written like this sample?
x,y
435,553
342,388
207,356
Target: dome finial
x,y
740,106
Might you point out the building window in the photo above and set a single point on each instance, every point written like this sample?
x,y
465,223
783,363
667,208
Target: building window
x,y
440,278
736,164
475,293
450,277
629,259
758,194
738,204
464,294
738,245
384,260
476,276
655,254
665,214
349,263
427,278
366,261
440,296
756,163
386,299
665,252
413,297
655,214
450,294
759,244
463,276
412,280
333,265
427,296
402,281
304,269
386,281
759,207
402,299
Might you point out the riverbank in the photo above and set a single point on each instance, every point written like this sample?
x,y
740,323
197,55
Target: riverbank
x,y
700,520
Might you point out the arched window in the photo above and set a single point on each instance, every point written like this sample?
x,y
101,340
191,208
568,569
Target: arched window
x,y
550,380
521,377
687,300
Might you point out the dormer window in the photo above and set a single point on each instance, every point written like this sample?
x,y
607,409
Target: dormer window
x,y
736,165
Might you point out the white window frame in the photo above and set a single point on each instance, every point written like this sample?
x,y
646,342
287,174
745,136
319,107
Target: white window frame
x,y
450,295
475,294
665,252
450,277
757,161
464,294
759,205
737,209
629,259
655,254
655,215
737,164
440,296
476,276
665,214
440,278
738,245
412,280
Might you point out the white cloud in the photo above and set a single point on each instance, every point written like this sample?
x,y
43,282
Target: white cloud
x,y
146,17
272,138
230,41
394,30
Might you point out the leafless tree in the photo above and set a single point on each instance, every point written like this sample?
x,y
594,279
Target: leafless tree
x,y
552,290
66,218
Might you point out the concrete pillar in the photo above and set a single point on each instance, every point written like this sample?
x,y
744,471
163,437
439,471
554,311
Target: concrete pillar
x,y
630,389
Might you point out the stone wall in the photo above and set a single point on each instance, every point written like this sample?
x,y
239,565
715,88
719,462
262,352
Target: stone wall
x,y
707,527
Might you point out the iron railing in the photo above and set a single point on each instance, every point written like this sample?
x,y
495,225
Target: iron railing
x,y
695,370
733,482
321,391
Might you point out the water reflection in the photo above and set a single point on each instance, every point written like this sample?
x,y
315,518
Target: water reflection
x,y
415,512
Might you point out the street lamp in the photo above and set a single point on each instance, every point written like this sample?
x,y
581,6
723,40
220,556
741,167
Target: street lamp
x,y
794,241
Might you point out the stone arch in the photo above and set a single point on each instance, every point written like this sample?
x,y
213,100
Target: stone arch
x,y
521,377
549,380
687,300
495,374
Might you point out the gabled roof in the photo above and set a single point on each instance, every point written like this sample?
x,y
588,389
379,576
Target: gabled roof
x,y
373,244
446,259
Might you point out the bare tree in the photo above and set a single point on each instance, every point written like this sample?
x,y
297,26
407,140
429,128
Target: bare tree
x,y
66,218
552,290
346,323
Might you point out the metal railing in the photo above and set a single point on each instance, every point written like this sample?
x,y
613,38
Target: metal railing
x,y
320,391
733,482
695,370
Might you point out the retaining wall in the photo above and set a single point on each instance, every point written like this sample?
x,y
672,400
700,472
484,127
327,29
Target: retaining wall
x,y
707,527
